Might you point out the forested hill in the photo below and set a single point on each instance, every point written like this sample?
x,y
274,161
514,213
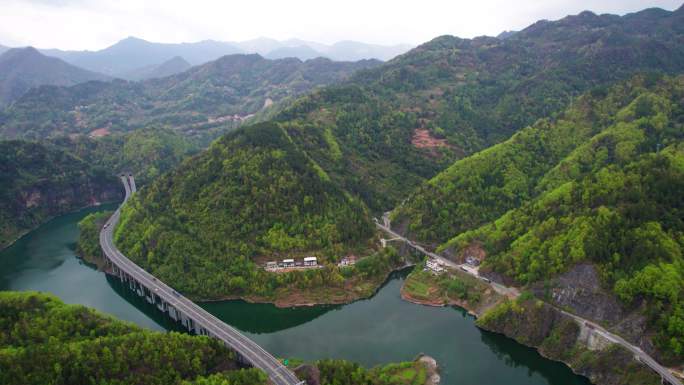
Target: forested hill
x,y
23,68
39,181
44,341
413,116
253,194
600,184
219,93
42,180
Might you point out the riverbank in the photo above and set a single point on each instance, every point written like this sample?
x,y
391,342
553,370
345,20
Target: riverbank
x,y
421,371
329,285
557,336
450,288
22,234
533,323
353,290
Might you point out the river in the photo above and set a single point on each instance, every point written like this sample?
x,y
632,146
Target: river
x,y
379,330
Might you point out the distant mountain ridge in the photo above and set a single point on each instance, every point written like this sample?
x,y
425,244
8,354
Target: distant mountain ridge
x,y
133,55
219,94
170,67
24,68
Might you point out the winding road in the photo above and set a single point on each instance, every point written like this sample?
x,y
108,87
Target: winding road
x,y
642,356
205,322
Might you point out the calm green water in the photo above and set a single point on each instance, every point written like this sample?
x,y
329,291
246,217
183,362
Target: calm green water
x,y
375,331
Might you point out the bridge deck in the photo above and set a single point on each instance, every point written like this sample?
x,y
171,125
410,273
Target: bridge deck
x,y
198,319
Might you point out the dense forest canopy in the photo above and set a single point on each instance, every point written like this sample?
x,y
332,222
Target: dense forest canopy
x,y
254,194
44,341
404,121
39,180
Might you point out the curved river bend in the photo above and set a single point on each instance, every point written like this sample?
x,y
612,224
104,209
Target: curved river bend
x,y
379,330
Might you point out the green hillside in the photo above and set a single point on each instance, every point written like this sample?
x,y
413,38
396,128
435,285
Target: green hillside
x,y
410,118
44,341
24,68
148,152
253,195
601,183
40,181
199,102
366,144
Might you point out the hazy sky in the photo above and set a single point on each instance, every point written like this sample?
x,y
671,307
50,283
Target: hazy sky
x,y
95,24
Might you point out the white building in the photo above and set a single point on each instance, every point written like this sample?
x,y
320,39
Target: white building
x,y
310,261
288,263
270,266
347,261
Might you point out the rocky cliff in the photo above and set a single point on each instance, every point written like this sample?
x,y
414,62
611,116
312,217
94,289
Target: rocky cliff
x,y
558,337
580,290
38,182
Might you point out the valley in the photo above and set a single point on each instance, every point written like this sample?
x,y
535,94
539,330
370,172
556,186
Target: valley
x,y
45,260
495,203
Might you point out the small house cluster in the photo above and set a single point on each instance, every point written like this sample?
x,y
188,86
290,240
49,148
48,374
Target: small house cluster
x,y
434,265
347,261
290,263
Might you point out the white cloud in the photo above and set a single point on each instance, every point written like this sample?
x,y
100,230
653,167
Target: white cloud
x,y
93,24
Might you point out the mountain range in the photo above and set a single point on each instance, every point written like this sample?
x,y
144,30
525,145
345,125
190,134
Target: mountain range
x,y
132,55
218,94
24,68
548,152
561,122
170,67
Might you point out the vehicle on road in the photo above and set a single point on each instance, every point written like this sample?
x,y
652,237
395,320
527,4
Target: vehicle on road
x,y
464,269
486,279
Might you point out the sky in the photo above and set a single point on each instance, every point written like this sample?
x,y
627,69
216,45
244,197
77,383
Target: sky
x,y
96,24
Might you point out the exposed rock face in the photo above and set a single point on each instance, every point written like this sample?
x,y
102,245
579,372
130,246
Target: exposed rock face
x,y
580,290
36,203
559,337
433,377
310,373
39,181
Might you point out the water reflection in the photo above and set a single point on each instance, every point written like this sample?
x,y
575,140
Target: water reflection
x,y
516,355
258,318
143,306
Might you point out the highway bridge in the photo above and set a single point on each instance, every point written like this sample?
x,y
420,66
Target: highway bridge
x,y
176,306
665,374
